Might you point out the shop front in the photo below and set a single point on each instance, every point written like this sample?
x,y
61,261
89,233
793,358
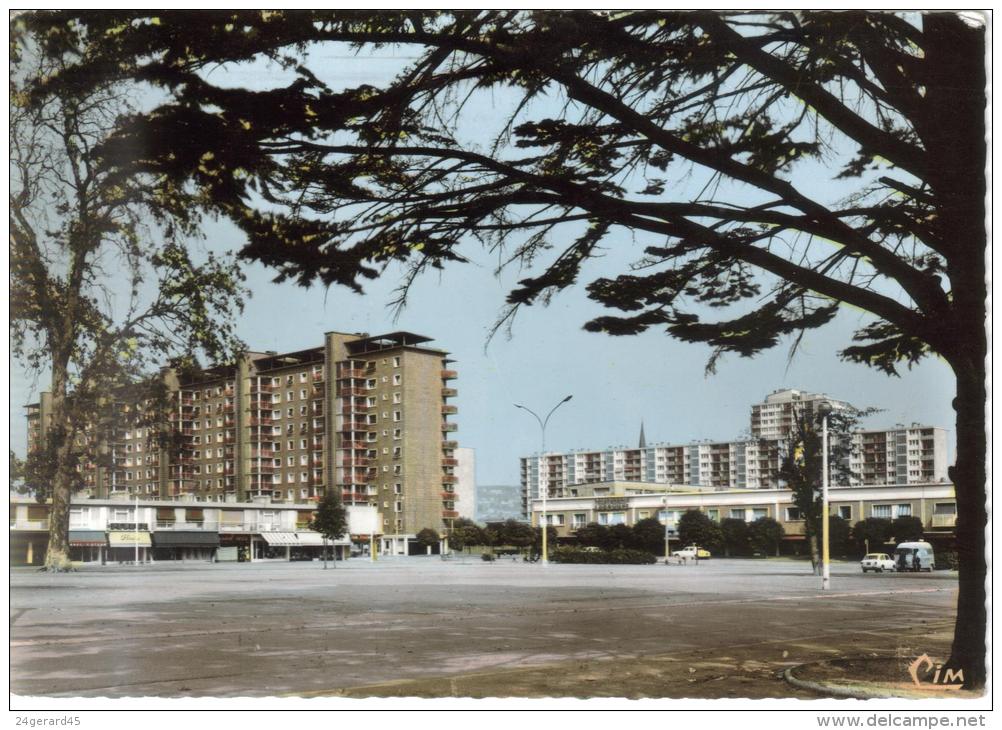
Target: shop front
x,y
88,546
130,546
298,546
233,548
185,545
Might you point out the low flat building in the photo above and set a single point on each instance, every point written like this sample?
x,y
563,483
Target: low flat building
x,y
626,503
104,531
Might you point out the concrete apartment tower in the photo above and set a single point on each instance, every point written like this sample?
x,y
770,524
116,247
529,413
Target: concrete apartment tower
x,y
365,416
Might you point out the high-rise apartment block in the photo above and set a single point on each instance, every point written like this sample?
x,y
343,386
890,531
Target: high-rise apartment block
x,y
913,455
365,416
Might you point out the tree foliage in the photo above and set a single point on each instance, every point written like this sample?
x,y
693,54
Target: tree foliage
x,y
765,534
702,135
649,535
696,528
873,531
427,537
104,286
907,528
734,535
331,518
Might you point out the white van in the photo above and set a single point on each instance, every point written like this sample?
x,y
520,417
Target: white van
x,y
907,553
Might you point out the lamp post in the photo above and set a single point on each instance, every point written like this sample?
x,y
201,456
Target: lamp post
x,y
543,487
825,411
664,501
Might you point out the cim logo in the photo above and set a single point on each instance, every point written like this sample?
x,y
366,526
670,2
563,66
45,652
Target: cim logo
x,y
944,679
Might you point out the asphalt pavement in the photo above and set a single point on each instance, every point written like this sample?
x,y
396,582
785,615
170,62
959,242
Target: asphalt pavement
x,y
431,627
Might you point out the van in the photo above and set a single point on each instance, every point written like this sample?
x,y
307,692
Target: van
x,y
907,553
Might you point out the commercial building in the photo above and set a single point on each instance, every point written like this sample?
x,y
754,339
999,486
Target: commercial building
x,y
104,531
366,416
618,502
902,455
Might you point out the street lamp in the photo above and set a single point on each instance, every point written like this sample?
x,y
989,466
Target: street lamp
x,y
664,501
543,487
824,410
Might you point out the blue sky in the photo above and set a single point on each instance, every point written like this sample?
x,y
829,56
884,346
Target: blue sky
x,y
616,382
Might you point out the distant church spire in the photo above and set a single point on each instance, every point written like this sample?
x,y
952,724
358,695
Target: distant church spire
x,y
643,441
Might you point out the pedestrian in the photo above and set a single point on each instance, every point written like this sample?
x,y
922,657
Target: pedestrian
x,y
916,561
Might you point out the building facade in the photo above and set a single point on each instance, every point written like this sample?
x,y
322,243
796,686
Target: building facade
x,y
106,531
612,503
902,455
366,417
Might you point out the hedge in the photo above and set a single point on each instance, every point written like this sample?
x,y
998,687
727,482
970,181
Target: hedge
x,y
616,557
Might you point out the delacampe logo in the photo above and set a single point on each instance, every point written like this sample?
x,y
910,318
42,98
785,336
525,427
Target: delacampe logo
x,y
940,678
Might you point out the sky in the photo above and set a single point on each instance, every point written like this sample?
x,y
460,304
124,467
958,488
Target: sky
x,y
616,382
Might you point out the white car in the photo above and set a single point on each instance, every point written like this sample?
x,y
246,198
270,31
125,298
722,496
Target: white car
x,y
877,562
692,552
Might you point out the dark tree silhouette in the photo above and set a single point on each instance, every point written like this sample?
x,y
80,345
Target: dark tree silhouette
x,y
701,134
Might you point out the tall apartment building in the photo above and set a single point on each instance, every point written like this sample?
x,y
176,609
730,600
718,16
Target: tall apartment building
x,y
366,416
915,455
774,418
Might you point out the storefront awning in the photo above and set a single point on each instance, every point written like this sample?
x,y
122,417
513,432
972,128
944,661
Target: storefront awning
x,y
182,538
88,538
302,539
128,539
280,538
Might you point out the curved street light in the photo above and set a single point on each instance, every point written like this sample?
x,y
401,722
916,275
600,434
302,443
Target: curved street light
x,y
543,489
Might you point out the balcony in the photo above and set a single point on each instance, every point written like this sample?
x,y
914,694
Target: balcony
x,y
449,392
261,388
346,373
450,496
448,410
318,377
450,445
449,375
262,454
346,392
448,427
450,462
262,469
450,479
450,514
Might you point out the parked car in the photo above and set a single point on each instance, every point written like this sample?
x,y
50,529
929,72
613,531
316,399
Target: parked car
x,y
693,552
915,556
877,562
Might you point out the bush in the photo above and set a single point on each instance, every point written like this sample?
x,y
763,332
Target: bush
x,y
620,556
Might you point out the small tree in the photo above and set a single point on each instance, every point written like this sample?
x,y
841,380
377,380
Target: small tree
x,y
696,528
735,536
330,520
518,534
765,534
537,540
593,535
839,532
907,528
465,533
427,537
620,536
871,534
649,535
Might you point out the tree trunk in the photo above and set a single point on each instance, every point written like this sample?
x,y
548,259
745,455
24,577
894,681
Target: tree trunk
x,y
968,476
57,556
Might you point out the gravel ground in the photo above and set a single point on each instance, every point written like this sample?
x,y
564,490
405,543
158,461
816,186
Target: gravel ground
x,y
433,628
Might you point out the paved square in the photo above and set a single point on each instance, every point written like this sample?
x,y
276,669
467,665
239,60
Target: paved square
x,y
428,627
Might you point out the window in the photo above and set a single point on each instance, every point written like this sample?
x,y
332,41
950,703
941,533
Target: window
x,y
758,514
396,433
612,518
945,508
396,379
396,397
290,412
902,510
302,443
713,514
276,415
398,506
738,513
290,461
793,514
845,511
579,519
302,379
396,362
397,415
881,510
